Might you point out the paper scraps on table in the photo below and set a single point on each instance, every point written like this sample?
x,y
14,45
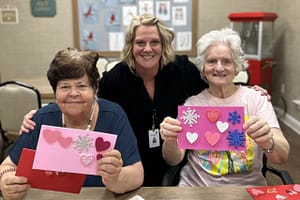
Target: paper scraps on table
x,y
275,192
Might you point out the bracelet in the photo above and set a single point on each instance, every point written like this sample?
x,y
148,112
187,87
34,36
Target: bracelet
x,y
270,150
6,171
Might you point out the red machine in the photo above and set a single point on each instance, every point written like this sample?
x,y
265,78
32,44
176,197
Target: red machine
x,y
257,30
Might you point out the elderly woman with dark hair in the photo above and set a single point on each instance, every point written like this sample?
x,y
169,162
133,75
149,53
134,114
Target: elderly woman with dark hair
x,y
219,59
74,79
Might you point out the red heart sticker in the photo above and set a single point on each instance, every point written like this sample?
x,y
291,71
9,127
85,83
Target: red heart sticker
x,y
65,142
99,156
101,145
212,138
51,136
213,115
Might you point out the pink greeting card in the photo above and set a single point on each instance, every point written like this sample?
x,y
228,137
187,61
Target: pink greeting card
x,y
212,128
275,192
71,150
48,180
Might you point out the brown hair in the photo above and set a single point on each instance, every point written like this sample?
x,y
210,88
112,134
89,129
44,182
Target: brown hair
x,y
72,63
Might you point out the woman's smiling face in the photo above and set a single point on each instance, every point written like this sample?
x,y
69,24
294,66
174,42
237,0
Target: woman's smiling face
x,y
219,69
147,47
75,96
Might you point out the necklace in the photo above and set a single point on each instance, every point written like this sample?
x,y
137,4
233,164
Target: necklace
x,y
88,127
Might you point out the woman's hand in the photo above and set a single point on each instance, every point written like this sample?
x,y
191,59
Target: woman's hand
x,y
117,178
27,123
262,91
13,187
270,139
259,131
110,166
170,128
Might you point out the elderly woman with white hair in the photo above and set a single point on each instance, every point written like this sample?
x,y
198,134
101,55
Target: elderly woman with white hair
x,y
219,59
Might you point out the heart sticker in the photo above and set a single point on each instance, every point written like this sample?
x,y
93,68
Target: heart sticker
x,y
212,138
86,159
51,136
65,142
99,156
191,137
222,126
257,192
101,145
280,197
213,115
296,187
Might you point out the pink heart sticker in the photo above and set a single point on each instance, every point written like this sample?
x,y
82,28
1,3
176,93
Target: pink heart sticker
x,y
65,142
257,192
86,159
101,145
296,187
213,115
51,136
212,138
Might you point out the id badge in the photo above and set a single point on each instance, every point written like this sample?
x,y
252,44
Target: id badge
x,y
154,140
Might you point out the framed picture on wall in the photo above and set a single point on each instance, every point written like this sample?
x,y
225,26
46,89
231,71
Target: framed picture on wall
x,y
9,15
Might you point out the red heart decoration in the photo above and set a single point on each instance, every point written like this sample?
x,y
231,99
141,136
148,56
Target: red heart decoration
x,y
213,115
51,136
212,138
99,156
65,142
101,145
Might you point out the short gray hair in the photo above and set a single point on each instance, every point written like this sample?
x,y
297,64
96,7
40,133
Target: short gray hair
x,y
225,36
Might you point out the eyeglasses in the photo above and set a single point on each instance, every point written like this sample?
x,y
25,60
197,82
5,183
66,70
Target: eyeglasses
x,y
143,44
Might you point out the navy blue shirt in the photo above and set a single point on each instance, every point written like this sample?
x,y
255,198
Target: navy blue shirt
x,y
174,83
111,119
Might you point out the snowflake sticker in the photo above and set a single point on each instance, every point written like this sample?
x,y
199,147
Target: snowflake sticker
x,y
234,117
236,138
190,117
83,143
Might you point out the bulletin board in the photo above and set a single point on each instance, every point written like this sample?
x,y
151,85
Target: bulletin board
x,y
100,24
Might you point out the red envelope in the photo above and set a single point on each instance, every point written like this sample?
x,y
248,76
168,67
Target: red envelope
x,y
41,179
275,192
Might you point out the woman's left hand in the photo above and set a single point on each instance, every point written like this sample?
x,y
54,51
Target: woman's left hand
x,y
259,131
110,166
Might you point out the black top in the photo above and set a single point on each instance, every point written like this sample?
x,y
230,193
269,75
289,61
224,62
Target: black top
x,y
173,84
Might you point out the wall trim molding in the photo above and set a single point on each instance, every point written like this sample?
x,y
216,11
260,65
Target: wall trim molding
x,y
291,122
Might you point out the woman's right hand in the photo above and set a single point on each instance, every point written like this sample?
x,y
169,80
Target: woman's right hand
x,y
169,128
27,124
13,187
